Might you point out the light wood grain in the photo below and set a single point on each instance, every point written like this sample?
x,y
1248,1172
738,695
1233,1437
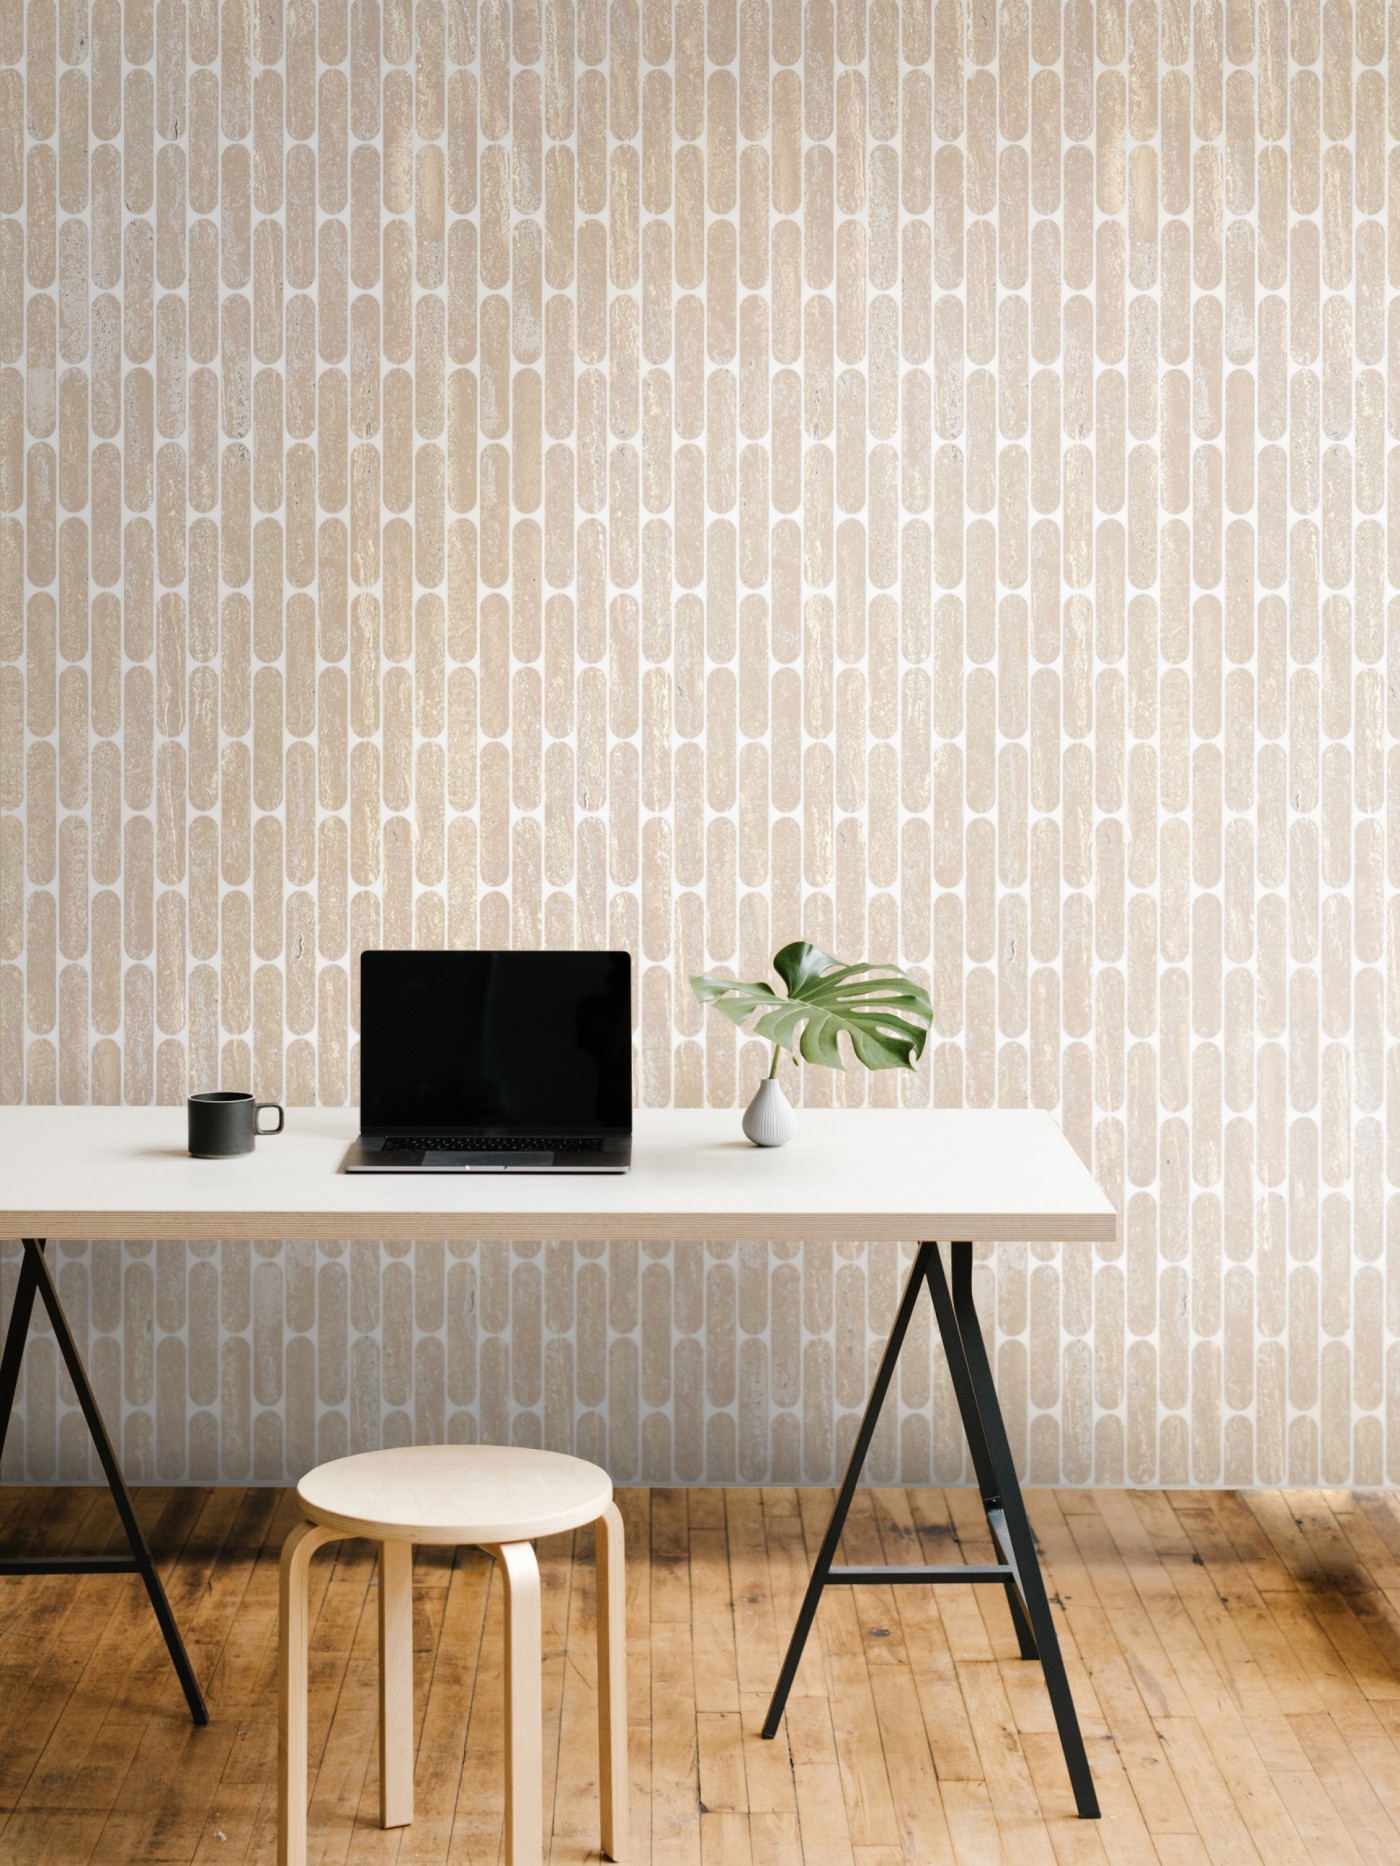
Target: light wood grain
x,y
395,1683
524,1716
292,1706
449,1494
1234,1657
612,1681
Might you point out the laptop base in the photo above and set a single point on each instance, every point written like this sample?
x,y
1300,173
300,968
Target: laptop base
x,y
375,1154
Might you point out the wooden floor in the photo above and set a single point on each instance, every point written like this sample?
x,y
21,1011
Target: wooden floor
x,y
1235,1659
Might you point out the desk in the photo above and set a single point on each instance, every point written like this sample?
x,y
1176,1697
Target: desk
x,y
868,1175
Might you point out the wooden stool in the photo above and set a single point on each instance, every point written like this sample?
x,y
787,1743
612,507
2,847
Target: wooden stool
x,y
495,1497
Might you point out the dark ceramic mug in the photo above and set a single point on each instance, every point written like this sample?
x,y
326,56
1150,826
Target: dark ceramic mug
x,y
226,1122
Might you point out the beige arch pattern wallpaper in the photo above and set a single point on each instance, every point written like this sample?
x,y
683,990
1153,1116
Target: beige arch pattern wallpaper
x,y
681,477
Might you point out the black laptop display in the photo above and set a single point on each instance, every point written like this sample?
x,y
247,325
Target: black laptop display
x,y
494,1061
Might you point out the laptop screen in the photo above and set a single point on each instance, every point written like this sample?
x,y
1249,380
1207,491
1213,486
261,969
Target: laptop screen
x,y
466,1041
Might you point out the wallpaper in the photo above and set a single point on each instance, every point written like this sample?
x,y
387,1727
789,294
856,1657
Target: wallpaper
x,y
685,477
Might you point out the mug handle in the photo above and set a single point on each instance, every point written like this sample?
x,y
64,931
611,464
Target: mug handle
x,y
260,1108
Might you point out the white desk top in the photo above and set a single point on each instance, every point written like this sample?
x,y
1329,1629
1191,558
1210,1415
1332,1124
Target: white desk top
x,y
851,1175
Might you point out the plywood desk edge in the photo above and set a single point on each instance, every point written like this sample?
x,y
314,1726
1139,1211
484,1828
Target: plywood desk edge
x,y
600,1227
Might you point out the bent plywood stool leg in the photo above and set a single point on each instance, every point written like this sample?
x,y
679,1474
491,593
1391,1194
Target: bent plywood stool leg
x,y
395,1684
524,1705
294,1624
612,1682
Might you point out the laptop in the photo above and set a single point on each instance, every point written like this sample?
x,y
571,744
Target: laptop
x,y
494,1062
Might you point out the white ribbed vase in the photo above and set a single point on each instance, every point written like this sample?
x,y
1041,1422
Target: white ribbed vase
x,y
769,1120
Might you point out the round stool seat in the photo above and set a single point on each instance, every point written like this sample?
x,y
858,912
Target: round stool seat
x,y
455,1493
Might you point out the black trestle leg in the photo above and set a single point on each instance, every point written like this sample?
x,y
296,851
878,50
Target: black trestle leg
x,y
35,1278
1022,1552
977,1446
1017,1568
827,1553
14,1342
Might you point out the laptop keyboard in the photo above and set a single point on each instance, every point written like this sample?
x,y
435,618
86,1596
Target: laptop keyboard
x,y
475,1143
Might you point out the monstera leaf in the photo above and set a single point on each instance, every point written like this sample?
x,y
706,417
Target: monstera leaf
x,y
883,1012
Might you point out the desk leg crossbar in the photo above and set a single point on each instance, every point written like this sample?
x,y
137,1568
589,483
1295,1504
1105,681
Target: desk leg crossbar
x,y
36,1279
1018,1571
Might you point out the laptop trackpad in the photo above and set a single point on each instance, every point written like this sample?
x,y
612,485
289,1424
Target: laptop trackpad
x,y
489,1162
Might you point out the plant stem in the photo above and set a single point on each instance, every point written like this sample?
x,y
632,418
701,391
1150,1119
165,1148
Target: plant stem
x,y
777,1054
